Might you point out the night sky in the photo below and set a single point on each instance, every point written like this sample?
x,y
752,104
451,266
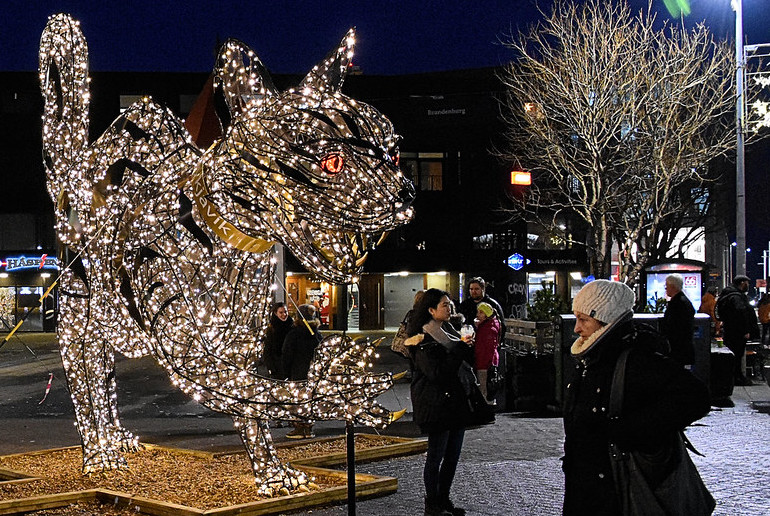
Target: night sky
x,y
394,37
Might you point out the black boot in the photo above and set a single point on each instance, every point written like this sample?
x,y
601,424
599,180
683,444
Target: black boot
x,y
433,508
449,507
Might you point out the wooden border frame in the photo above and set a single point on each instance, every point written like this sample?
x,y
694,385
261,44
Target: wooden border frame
x,y
367,486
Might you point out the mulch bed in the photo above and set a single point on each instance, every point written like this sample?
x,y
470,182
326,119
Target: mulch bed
x,y
194,480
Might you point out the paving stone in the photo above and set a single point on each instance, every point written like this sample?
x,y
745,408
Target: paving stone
x,y
510,468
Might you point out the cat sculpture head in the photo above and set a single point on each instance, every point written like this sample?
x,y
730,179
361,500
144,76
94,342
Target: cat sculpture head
x,y
308,167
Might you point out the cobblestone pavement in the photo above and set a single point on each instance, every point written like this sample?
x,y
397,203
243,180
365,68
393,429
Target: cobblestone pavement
x,y
509,468
513,467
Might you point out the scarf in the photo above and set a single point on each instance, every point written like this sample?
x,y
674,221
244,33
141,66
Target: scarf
x,y
581,346
442,333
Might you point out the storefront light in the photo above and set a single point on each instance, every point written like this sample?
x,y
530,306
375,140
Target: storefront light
x,y
439,273
576,276
403,273
45,275
3,274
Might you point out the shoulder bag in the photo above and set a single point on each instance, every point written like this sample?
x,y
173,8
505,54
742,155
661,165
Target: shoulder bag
x,y
397,345
655,484
480,411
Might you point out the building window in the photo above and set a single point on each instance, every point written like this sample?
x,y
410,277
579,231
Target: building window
x,y
127,100
483,241
425,169
554,237
186,103
506,240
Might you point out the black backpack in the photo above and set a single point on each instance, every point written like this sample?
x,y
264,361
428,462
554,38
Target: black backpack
x,y
646,336
724,307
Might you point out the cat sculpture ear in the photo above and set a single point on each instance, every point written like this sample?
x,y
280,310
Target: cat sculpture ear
x,y
240,78
329,74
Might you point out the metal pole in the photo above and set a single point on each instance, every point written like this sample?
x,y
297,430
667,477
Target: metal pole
x,y
350,434
766,267
740,171
350,430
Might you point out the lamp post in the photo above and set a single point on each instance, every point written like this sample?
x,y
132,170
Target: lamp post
x,y
730,262
740,170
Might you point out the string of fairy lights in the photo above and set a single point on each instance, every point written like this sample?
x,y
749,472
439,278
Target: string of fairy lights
x,y
172,244
760,110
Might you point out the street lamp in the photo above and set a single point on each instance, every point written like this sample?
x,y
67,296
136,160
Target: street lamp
x,y
740,169
730,262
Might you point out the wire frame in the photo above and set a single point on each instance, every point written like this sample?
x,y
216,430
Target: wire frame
x,y
170,246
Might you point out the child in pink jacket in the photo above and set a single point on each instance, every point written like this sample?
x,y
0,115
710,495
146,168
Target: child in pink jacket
x,y
485,349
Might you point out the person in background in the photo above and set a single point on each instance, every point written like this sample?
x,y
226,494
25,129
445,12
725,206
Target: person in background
x,y
417,297
707,304
276,332
477,293
660,397
764,317
298,349
485,348
439,399
739,323
456,319
678,323
397,345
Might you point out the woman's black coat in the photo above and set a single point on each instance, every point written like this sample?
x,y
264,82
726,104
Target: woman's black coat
x,y
298,349
274,336
438,398
660,397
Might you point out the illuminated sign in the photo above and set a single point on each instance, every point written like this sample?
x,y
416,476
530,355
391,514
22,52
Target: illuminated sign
x,y
15,263
521,178
515,261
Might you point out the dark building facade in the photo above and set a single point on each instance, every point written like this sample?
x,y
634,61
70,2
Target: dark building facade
x,y
450,123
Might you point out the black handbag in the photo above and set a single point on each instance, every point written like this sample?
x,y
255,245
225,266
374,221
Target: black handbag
x,y
663,483
480,411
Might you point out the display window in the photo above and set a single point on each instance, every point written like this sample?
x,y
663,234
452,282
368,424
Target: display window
x,y
24,279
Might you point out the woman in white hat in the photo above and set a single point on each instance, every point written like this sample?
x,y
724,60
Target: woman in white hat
x,y
660,398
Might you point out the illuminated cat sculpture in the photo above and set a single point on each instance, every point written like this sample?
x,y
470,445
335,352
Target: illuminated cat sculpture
x,y
170,246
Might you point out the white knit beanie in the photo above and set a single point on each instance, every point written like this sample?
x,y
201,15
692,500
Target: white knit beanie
x,y
605,301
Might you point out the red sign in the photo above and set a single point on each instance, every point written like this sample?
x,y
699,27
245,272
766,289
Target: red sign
x,y
521,178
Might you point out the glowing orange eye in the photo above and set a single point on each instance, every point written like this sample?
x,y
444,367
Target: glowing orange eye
x,y
396,157
332,163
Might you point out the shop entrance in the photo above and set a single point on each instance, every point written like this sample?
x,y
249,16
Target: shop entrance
x,y
371,292
400,299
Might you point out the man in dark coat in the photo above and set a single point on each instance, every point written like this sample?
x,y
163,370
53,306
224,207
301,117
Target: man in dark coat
x,y
679,322
477,294
739,323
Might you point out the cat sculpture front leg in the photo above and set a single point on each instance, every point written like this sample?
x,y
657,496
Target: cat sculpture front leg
x,y
273,477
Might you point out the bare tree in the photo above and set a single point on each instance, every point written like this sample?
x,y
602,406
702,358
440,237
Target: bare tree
x,y
617,120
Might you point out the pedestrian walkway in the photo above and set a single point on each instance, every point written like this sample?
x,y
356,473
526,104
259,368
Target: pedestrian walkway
x,y
513,467
509,468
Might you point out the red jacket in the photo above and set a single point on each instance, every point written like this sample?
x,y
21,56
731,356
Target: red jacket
x,y
485,349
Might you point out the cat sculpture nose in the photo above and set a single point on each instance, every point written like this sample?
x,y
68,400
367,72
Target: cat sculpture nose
x,y
406,194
